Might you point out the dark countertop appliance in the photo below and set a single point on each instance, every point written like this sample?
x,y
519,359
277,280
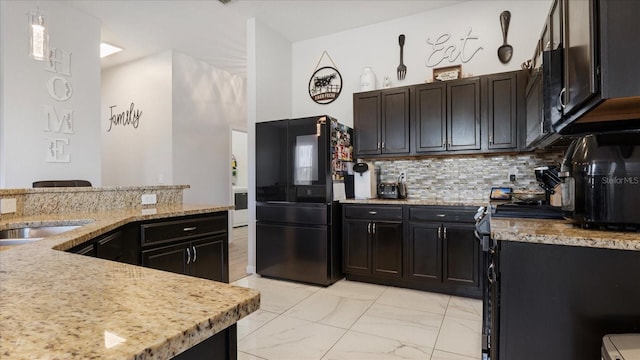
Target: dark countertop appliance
x,y
392,190
298,222
601,176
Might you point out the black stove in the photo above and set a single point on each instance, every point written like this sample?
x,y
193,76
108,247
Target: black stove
x,y
526,210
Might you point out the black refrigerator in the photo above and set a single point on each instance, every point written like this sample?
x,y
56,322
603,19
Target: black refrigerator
x,y
298,230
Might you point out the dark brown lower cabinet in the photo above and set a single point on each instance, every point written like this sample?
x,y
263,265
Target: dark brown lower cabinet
x,y
372,243
221,346
444,257
121,245
429,248
557,302
204,258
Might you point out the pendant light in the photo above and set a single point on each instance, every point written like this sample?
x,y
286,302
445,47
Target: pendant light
x,y
38,36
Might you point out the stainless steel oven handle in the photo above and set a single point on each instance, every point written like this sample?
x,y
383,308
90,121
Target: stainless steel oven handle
x,y
491,274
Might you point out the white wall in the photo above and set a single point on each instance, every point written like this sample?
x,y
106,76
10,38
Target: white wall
x,y
138,156
376,46
268,98
188,108
207,102
24,93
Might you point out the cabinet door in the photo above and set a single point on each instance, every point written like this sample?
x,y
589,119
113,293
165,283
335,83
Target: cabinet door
x,y
88,250
431,118
501,111
356,255
579,62
424,253
463,114
172,258
461,255
111,246
366,121
395,121
209,258
386,249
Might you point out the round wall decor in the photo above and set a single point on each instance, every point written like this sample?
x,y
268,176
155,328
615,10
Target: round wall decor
x,y
325,85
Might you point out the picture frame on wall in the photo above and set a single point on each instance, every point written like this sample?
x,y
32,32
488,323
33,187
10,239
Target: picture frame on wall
x,y
447,73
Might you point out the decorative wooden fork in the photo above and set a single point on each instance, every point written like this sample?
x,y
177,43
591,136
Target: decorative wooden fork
x,y
402,68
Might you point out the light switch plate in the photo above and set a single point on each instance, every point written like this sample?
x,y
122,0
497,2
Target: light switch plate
x,y
148,199
8,206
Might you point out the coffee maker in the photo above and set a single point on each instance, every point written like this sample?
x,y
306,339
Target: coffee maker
x,y
365,181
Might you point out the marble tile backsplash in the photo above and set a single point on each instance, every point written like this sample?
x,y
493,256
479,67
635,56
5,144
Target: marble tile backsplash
x,y
466,177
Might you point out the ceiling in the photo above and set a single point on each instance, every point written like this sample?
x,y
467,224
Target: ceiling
x,y
216,33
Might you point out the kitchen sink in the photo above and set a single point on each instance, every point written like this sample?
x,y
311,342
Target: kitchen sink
x,y
27,235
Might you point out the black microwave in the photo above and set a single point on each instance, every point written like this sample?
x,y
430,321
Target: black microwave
x,y
540,112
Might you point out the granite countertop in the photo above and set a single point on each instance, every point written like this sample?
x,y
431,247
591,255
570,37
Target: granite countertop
x,y
55,304
561,232
433,202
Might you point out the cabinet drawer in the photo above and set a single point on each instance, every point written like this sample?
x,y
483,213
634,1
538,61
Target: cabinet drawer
x,y
373,212
183,229
442,213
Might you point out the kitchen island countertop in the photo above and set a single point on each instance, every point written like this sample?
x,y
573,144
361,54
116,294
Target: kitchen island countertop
x,y
561,232
55,304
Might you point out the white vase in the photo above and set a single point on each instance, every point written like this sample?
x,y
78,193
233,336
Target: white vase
x,y
367,79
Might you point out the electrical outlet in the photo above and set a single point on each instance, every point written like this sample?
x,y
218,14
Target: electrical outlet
x,y
7,206
511,175
403,176
148,199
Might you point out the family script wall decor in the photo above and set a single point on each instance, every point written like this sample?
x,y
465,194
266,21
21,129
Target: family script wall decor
x,y
124,118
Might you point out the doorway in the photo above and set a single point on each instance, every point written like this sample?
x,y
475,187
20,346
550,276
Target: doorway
x,y
239,239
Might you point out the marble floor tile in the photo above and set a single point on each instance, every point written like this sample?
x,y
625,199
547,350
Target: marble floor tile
x,y
253,322
465,308
359,346
460,336
405,325
443,355
275,295
330,309
415,299
355,290
287,338
245,356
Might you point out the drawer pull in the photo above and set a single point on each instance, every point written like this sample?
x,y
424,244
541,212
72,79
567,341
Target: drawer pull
x,y
372,212
441,215
189,228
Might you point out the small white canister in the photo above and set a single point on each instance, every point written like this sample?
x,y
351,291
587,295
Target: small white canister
x,y
367,79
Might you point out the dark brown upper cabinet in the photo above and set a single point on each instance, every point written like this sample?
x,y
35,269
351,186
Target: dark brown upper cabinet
x,y
599,54
381,122
447,116
502,111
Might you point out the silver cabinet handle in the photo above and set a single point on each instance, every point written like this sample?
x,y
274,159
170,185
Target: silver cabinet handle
x,y
188,256
490,139
383,144
378,146
560,99
439,232
441,215
189,228
374,228
195,254
372,212
445,233
369,228
491,274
